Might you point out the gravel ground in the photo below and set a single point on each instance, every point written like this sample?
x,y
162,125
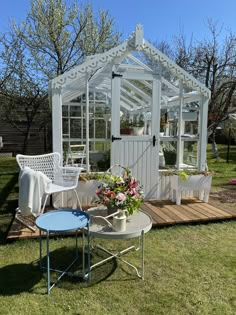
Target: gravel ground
x,y
224,195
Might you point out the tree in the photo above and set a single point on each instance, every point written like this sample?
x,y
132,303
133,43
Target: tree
x,y
53,39
24,98
60,36
213,62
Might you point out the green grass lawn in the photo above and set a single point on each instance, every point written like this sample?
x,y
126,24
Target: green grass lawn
x,y
188,269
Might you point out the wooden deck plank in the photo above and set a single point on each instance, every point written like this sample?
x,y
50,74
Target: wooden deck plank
x,y
196,215
170,211
155,218
165,217
217,213
163,213
181,216
188,211
229,211
204,212
159,206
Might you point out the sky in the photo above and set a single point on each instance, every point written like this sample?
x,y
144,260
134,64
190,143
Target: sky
x,y
161,19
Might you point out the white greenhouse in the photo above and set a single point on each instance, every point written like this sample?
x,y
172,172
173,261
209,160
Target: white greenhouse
x,y
135,103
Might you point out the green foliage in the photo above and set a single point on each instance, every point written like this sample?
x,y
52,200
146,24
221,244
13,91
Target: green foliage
x,y
183,175
138,121
190,268
125,121
60,36
104,163
170,155
123,192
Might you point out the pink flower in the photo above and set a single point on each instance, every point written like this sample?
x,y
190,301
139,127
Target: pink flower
x,y
113,195
121,197
106,200
132,182
106,192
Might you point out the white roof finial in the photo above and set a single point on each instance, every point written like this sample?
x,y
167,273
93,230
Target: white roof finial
x,y
139,36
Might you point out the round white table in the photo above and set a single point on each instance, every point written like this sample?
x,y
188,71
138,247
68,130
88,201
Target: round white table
x,y
136,226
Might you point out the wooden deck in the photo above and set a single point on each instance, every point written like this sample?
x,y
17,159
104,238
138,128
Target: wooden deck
x,y
163,213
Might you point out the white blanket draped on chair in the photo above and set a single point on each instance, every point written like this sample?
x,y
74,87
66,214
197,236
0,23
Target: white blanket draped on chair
x,y
32,187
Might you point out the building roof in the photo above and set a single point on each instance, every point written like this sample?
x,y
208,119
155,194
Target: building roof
x,y
140,59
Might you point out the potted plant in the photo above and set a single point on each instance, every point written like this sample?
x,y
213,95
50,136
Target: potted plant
x,y
120,192
138,125
169,155
163,123
125,125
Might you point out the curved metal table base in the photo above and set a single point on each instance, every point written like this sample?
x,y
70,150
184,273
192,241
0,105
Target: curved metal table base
x,y
123,252
136,226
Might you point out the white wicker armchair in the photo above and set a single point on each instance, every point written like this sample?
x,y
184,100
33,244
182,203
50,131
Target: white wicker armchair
x,y
62,178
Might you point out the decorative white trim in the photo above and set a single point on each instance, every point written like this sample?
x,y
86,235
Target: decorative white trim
x,y
188,79
134,42
91,65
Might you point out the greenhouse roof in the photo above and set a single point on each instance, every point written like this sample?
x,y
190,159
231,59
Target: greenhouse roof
x,y
134,58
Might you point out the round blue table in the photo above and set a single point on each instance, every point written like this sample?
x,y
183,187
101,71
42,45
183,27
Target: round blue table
x,y
60,221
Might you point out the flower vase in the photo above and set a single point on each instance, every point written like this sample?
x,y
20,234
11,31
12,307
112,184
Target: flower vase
x,y
119,221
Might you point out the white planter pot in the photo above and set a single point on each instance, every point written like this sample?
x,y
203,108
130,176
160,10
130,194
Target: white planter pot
x,y
86,192
200,183
138,131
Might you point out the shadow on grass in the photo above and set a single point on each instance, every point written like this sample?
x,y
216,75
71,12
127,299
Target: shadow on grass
x,y
7,189
7,206
61,258
18,278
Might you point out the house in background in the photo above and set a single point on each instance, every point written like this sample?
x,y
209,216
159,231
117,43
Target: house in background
x,y
39,140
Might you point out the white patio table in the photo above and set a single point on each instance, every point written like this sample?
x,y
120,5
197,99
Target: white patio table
x,y
136,226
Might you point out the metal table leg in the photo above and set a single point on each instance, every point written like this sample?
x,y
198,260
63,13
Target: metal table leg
x,y
142,249
40,250
48,264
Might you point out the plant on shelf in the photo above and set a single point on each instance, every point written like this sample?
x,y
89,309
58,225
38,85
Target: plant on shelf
x,y
163,123
138,125
169,152
120,192
138,121
125,125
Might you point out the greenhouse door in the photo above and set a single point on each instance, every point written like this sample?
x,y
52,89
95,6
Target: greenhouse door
x,y
138,150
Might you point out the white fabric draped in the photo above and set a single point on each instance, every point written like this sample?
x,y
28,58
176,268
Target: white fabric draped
x,y
32,187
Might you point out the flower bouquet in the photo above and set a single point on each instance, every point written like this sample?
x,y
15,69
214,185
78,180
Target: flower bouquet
x,y
120,192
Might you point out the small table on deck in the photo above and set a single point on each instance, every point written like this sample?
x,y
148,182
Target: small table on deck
x,y
60,221
136,226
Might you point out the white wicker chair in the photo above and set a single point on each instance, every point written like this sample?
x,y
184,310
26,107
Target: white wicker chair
x,y
63,178
76,155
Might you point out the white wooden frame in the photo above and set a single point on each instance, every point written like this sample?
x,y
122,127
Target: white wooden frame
x,y
95,74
